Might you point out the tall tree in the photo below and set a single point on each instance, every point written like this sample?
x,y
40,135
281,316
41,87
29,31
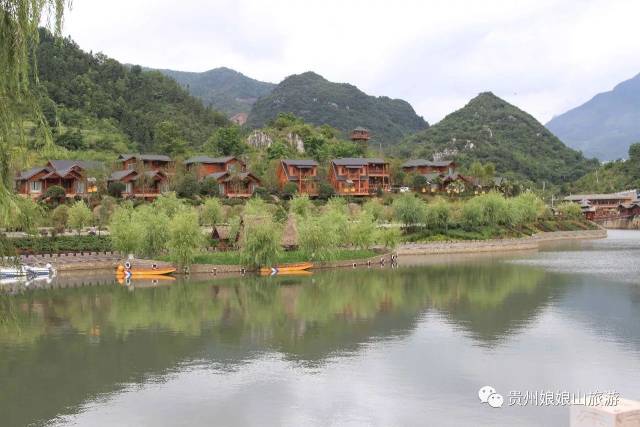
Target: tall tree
x,y
19,21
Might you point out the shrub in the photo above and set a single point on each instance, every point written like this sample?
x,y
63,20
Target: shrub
x,y
115,189
79,216
438,214
62,244
185,238
317,238
209,187
211,212
169,204
29,216
154,225
261,243
55,193
526,208
187,186
289,189
325,190
59,218
124,231
419,182
389,237
362,231
300,205
570,210
374,208
409,210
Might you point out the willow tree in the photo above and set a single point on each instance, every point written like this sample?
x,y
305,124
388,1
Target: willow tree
x,y
19,21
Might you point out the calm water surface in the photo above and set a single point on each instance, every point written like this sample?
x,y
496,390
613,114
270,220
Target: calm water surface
x,y
381,347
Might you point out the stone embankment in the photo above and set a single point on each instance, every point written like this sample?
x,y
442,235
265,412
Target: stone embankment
x,y
93,261
497,245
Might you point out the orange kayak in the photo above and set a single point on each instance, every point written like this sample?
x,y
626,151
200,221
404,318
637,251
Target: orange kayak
x,y
286,268
142,272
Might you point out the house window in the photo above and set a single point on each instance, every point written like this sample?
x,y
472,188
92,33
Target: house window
x,y
35,186
128,187
131,166
80,189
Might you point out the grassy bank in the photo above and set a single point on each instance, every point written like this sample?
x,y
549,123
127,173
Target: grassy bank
x,y
496,232
233,257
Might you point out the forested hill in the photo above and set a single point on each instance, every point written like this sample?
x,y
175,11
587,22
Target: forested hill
x,y
222,88
490,129
95,103
606,125
340,105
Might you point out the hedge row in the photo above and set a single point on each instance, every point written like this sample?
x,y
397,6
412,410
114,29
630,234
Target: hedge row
x,y
61,244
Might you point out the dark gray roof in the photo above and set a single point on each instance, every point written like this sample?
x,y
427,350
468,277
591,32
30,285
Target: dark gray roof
x,y
303,162
31,172
65,165
150,157
422,162
361,129
118,175
216,175
207,159
347,161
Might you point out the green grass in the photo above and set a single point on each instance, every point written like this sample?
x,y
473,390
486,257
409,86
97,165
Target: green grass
x,y
233,257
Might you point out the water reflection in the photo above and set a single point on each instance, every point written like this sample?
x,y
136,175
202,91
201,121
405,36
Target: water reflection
x,y
417,338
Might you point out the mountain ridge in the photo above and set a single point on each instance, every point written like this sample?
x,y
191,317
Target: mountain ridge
x,y
489,129
606,125
341,105
222,88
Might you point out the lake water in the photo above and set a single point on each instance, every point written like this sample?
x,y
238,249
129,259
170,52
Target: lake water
x,y
382,347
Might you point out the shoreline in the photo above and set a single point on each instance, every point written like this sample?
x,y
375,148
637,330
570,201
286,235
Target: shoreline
x,y
82,263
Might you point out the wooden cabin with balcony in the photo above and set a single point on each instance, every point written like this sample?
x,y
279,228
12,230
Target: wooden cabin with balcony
x,y
425,167
145,186
72,175
303,173
146,162
235,184
359,176
203,166
596,206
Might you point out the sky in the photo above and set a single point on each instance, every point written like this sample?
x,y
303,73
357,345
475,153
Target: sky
x,y
544,56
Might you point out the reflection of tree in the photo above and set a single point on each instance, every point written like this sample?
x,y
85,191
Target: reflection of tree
x,y
123,336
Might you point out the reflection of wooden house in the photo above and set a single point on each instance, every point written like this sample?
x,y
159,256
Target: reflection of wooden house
x,y
303,173
204,165
71,175
359,176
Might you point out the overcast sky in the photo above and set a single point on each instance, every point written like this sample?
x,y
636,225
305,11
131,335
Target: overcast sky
x,y
544,56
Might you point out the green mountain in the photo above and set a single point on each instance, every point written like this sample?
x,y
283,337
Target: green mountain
x,y
490,129
613,176
606,125
93,102
340,105
222,88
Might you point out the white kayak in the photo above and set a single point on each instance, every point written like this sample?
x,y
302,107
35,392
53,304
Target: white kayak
x,y
26,270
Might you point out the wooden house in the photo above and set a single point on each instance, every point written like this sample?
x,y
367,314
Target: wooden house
x,y
359,176
203,166
603,205
424,167
146,162
72,175
147,185
235,184
303,173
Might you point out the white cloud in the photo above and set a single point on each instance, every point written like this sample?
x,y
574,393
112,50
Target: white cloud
x,y
545,56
